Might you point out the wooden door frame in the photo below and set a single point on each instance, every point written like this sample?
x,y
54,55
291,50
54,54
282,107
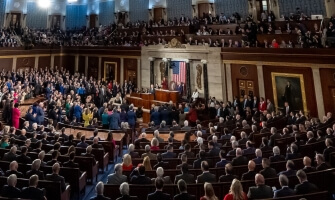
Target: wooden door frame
x,y
115,72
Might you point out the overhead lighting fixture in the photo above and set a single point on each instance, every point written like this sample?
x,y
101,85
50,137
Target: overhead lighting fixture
x,y
44,3
72,1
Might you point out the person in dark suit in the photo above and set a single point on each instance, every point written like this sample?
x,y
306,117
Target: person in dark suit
x,y
155,116
158,194
250,149
54,160
289,169
131,116
304,187
13,170
320,162
10,190
187,151
285,190
141,178
229,177
71,163
206,176
82,143
138,141
35,166
223,161
234,145
160,162
183,160
308,165
99,189
32,192
96,144
132,153
160,174
188,178
213,151
11,155
23,158
275,135
260,191
258,159
202,157
124,190
250,175
182,187
88,153
239,159
276,155
329,149
293,154
310,138
267,171
169,153
56,177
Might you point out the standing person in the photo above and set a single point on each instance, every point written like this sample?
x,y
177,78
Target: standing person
x,y
165,84
16,116
192,116
87,117
131,116
77,110
40,114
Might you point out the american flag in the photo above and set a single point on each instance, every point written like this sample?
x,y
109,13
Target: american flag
x,y
179,72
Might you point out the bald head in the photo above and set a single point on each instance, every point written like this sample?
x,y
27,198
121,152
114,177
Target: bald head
x,y
251,165
55,168
259,179
307,161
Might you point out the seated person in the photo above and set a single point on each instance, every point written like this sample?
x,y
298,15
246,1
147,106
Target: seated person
x,y
182,187
89,153
131,151
158,194
267,171
56,177
10,190
285,190
35,166
260,191
239,159
141,178
117,177
124,190
160,174
276,155
187,177
160,162
71,162
223,161
32,192
250,175
82,143
169,153
206,176
289,169
54,160
13,170
99,189
229,177
305,186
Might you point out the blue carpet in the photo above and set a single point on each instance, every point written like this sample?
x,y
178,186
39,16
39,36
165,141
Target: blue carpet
x,y
90,189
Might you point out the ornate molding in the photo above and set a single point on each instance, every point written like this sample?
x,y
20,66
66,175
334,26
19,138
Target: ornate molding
x,y
174,43
204,61
151,59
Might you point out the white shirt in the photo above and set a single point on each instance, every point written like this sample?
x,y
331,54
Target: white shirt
x,y
195,95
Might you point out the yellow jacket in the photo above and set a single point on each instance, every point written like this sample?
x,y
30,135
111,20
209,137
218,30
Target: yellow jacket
x,y
87,118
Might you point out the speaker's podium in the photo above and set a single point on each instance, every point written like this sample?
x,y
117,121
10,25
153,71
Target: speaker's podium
x,y
166,95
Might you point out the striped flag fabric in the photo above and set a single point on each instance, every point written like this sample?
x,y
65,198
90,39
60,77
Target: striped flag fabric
x,y
179,71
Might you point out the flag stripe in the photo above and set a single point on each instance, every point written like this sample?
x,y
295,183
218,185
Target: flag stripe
x,y
179,72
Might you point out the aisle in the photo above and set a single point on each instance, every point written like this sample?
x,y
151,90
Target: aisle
x,y
90,189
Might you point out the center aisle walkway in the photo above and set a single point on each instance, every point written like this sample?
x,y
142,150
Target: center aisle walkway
x,y
90,189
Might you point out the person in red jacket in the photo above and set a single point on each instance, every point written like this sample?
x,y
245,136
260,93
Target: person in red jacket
x,y
192,116
262,105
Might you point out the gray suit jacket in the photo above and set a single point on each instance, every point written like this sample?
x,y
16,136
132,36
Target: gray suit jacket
x,y
166,179
152,156
115,179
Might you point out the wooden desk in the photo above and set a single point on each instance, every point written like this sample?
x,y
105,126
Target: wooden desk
x,y
166,95
147,96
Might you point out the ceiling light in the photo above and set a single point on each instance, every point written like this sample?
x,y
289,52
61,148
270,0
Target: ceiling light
x,y
44,3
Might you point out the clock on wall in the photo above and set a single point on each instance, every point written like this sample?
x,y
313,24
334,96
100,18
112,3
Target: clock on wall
x,y
17,4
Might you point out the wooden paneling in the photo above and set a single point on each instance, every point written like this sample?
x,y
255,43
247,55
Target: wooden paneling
x,y
93,64
67,62
117,61
130,65
44,61
308,80
25,62
81,65
6,63
158,14
244,72
328,83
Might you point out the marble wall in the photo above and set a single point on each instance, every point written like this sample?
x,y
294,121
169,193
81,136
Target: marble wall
x,y
36,17
195,54
309,7
138,10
